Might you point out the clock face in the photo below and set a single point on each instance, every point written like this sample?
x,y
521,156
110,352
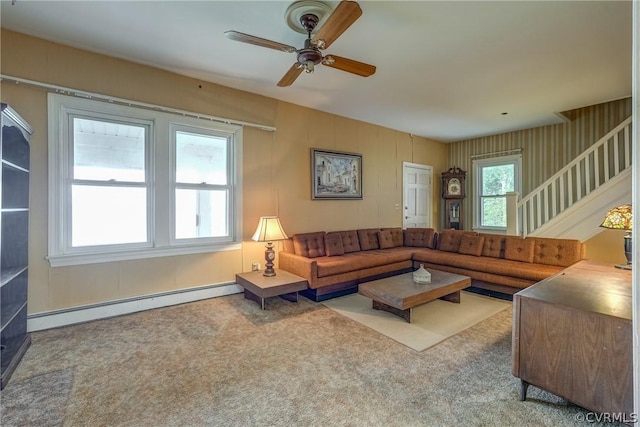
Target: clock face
x,y
453,187
271,256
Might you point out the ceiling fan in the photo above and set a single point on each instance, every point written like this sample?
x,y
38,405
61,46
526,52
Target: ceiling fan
x,y
310,14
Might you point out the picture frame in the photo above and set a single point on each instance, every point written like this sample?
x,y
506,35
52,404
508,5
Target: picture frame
x,y
335,175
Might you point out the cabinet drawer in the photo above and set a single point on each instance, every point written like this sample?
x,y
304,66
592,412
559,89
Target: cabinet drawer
x,y
13,296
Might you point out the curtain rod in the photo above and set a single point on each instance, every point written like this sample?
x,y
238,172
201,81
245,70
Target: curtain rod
x,y
111,99
495,153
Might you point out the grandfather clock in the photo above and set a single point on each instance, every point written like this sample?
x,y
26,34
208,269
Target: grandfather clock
x,y
453,182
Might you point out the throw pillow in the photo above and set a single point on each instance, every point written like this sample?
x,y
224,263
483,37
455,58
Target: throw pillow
x,y
471,245
350,241
518,249
449,240
333,244
419,237
385,238
368,239
310,245
493,246
397,235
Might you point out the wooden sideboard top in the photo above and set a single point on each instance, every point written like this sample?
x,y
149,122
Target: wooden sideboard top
x,y
587,286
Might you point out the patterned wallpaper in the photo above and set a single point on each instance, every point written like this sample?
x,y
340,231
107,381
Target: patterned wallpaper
x,y
545,149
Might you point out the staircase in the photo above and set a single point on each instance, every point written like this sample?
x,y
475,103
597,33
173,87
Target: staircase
x,y
573,202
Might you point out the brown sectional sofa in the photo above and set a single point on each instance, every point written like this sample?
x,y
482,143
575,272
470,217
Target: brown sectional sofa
x,y
334,263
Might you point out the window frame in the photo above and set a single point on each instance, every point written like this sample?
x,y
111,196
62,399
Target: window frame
x,y
67,190
478,166
160,176
174,128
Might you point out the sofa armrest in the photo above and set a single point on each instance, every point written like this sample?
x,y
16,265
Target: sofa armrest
x,y
299,265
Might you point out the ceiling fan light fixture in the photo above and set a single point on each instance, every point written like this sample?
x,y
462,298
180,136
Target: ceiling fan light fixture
x,y
309,55
309,66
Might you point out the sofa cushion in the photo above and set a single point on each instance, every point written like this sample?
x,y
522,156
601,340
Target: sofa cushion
x,y
518,249
333,244
419,237
385,238
561,252
368,239
330,266
507,268
350,241
397,235
310,245
449,240
471,245
493,245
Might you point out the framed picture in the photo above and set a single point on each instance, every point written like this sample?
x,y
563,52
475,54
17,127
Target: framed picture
x,y
336,175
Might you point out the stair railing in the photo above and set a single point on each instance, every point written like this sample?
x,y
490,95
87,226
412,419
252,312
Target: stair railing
x,y
601,162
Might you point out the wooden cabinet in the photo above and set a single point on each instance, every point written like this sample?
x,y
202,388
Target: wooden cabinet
x,y
14,240
572,337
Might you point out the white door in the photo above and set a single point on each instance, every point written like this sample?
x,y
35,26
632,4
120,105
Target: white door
x,y
416,185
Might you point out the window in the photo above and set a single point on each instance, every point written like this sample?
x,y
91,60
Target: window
x,y
202,187
493,179
109,182
127,183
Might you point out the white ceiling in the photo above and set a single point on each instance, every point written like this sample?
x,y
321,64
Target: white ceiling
x,y
445,70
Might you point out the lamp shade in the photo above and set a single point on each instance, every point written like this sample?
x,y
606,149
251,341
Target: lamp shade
x,y
619,218
269,229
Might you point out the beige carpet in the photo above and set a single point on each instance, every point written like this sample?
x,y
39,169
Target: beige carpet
x,y
432,322
225,362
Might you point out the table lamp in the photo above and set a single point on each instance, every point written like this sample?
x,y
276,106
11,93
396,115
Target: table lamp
x,y
621,218
269,229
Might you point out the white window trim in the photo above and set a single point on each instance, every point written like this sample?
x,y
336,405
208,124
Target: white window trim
x,y
161,245
231,166
477,189
65,190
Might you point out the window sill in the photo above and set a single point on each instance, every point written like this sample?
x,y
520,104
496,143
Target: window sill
x,y
491,230
96,258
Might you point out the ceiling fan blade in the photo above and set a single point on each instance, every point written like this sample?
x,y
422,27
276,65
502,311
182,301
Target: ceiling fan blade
x,y
291,75
345,14
349,65
258,41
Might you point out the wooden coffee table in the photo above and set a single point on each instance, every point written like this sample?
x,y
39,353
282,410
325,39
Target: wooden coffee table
x,y
399,294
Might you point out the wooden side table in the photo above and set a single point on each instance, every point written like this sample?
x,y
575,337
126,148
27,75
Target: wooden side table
x,y
258,287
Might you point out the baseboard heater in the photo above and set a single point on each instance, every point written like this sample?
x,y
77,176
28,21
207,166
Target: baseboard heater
x,y
70,316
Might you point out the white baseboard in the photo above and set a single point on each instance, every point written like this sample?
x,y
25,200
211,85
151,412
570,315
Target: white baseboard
x,y
58,318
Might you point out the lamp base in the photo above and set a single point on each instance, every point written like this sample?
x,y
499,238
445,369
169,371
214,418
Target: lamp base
x,y
269,256
628,248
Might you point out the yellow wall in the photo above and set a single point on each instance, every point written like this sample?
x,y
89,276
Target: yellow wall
x,y
276,169
607,246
